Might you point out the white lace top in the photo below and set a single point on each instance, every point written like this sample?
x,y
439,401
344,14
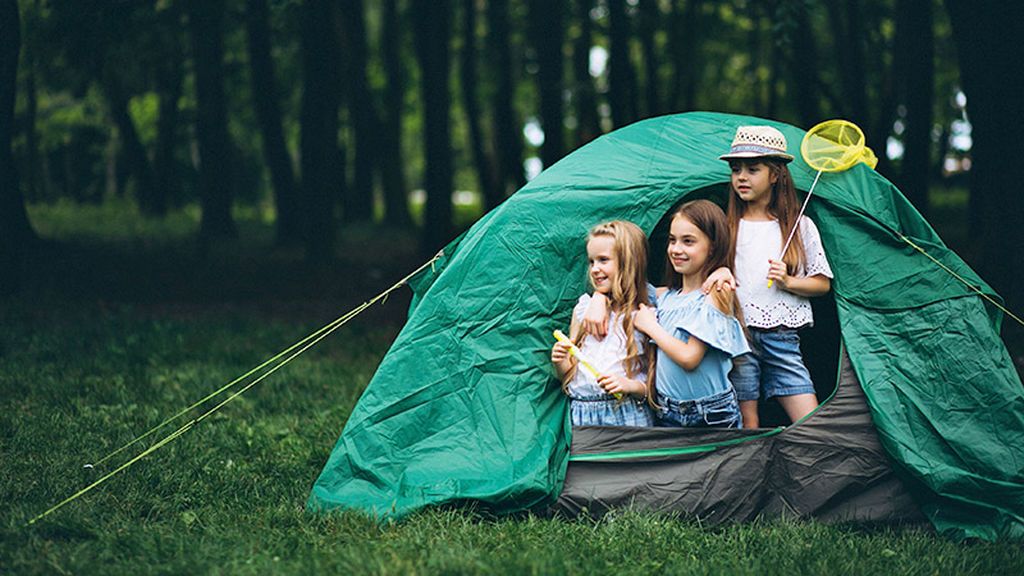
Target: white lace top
x,y
764,307
606,355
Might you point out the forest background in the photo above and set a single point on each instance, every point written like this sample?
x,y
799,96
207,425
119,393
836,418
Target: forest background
x,y
188,186
320,116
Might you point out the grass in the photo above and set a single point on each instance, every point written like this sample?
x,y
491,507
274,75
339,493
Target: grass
x,y
122,325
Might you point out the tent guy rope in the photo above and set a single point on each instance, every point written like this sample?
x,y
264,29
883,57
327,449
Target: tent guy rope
x,y
303,345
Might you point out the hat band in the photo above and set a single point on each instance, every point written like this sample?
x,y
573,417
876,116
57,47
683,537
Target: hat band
x,y
756,149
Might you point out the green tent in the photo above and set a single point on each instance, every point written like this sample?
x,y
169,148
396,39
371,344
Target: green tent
x,y
926,415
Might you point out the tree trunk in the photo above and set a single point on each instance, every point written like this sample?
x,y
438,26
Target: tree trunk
x,y
15,231
588,123
683,44
993,106
265,95
396,201
508,131
433,30
547,26
134,153
489,185
650,17
322,171
206,21
169,74
357,204
803,62
621,77
915,51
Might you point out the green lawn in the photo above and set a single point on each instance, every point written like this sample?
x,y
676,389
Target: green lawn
x,y
122,327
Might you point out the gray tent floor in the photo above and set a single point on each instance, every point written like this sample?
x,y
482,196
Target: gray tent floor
x,y
830,466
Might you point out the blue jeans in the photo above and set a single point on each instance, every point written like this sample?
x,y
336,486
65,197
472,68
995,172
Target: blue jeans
x,y
774,365
605,410
721,410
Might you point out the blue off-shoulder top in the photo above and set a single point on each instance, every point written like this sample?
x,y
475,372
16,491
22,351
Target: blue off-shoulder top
x,y
694,314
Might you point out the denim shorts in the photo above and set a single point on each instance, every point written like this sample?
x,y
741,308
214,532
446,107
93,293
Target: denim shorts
x,y
605,410
773,366
720,411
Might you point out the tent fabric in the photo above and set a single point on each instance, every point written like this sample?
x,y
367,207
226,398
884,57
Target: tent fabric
x,y
831,467
464,406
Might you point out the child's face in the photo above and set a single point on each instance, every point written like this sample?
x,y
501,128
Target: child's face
x,y
688,247
752,181
604,266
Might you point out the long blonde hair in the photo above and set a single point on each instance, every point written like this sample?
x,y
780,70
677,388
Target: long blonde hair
x,y
628,292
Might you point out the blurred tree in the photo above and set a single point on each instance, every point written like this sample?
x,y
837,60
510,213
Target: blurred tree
x,y
684,38
206,22
396,201
469,83
15,231
508,131
357,203
275,150
915,61
588,123
647,30
432,22
990,54
795,20
546,24
323,172
622,92
169,79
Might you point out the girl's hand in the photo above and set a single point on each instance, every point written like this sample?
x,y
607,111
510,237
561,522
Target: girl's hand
x,y
645,319
595,317
621,385
777,272
720,279
560,352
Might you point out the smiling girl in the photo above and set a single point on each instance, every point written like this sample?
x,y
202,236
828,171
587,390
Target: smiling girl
x,y
617,253
697,335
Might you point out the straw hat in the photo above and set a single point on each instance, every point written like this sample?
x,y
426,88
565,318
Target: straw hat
x,y
758,142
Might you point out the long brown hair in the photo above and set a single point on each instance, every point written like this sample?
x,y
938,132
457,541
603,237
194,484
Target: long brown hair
x,y
783,206
629,291
709,219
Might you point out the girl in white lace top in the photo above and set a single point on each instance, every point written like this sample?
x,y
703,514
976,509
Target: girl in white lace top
x,y
773,291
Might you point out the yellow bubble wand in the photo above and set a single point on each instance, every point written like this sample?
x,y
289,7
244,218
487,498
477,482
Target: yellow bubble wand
x,y
583,360
831,146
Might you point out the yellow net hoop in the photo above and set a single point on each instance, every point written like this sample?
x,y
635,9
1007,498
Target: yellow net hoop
x,y
834,146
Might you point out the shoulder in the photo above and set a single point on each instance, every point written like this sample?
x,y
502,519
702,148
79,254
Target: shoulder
x,y
723,300
661,290
808,226
581,305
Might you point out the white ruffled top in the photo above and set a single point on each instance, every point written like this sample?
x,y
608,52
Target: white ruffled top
x,y
764,307
606,355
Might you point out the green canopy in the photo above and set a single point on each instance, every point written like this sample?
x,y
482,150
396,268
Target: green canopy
x,y
464,407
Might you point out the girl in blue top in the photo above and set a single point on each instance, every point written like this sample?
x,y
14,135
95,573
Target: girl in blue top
x,y
697,335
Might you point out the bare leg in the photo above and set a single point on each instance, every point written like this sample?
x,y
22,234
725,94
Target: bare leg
x,y
798,406
748,408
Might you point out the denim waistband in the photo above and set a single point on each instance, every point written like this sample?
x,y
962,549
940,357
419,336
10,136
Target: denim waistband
x,y
682,405
596,398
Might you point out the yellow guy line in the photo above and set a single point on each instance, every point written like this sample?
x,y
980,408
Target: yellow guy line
x,y
312,340
962,279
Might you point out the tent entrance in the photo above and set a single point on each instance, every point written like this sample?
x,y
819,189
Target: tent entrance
x,y
818,343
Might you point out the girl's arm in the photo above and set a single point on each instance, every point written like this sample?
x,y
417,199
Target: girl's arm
x,y
720,279
807,286
560,357
595,317
686,354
